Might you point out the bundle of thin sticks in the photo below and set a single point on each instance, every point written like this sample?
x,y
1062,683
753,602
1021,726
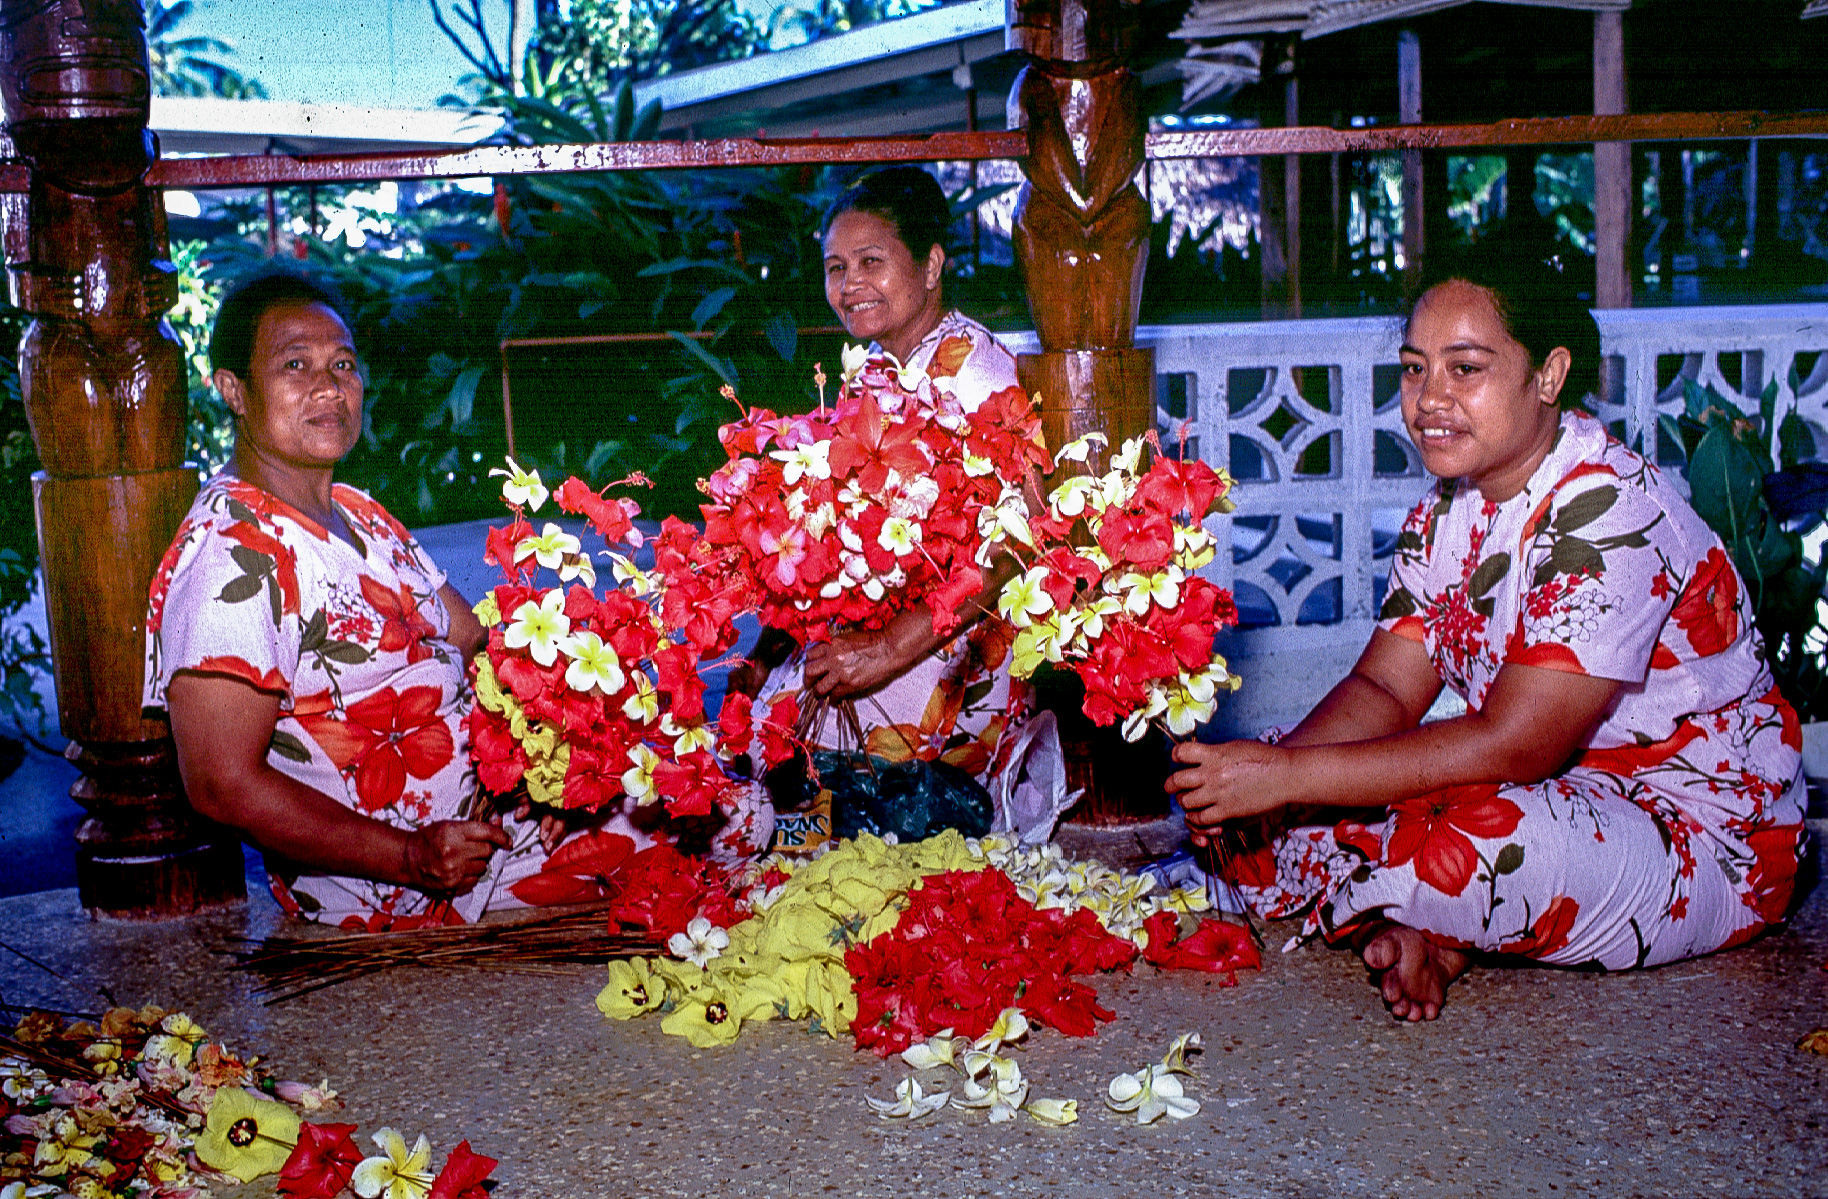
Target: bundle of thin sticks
x,y
538,943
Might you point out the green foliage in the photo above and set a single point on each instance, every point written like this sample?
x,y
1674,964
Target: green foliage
x,y
190,65
1731,474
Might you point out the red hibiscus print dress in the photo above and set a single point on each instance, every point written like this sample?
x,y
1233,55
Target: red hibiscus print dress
x,y
372,696
958,704
1676,832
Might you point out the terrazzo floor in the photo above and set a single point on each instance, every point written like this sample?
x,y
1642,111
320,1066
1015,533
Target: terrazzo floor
x,y
1679,1081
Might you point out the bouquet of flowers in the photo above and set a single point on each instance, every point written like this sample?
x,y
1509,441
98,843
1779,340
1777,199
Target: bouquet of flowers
x,y
1108,587
856,512
587,698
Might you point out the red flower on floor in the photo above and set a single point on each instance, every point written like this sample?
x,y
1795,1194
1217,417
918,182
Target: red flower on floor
x,y
321,1163
382,739
463,1175
1435,832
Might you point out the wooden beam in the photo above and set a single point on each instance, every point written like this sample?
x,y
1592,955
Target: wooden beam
x,y
1611,168
1415,192
260,170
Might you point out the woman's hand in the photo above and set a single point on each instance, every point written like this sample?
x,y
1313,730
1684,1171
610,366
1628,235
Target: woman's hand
x,y
450,856
1231,780
746,678
853,663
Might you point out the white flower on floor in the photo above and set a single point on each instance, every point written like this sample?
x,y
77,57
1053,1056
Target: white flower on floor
x,y
941,1049
1058,1112
1003,1090
395,1174
699,943
909,1102
1151,1093
1011,1025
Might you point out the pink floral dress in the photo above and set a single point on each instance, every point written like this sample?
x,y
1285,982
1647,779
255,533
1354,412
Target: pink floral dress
x,y
1675,833
372,696
955,704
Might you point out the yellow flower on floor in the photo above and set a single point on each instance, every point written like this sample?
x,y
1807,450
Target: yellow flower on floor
x,y
632,991
705,1017
395,1173
246,1137
176,1040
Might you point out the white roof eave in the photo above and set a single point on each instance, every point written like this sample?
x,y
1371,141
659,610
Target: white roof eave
x,y
957,34
207,125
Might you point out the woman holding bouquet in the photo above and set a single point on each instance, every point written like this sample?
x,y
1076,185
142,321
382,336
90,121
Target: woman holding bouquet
x,y
311,656
1624,788
916,694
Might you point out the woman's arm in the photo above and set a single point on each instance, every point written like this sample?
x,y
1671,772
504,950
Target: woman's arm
x,y
853,663
1533,722
467,633
223,726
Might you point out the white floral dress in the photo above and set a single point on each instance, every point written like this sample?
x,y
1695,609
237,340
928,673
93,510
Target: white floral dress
x,y
372,695
1676,832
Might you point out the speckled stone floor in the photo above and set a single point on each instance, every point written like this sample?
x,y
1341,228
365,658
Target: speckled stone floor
x,y
1679,1081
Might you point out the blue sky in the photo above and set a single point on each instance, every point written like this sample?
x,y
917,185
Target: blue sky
x,y
372,52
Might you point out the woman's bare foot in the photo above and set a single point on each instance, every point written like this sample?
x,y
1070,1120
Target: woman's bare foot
x,y
1414,971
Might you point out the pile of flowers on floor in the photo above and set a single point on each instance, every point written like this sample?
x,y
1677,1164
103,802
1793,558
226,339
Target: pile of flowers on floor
x,y
146,1104
895,943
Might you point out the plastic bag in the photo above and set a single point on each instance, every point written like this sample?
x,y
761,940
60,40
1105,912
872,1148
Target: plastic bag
x,y
912,799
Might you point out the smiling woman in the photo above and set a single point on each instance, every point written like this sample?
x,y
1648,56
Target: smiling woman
x,y
915,695
1623,734
311,656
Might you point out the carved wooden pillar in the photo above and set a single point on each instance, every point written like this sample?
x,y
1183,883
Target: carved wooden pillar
x,y
103,381
1082,234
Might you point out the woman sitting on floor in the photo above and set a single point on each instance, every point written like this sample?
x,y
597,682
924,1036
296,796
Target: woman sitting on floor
x,y
1624,789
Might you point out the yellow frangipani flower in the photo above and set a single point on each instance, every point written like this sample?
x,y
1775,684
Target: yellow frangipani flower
x,y
521,486
549,548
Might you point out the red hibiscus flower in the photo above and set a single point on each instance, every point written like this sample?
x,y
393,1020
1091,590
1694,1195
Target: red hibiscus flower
x,y
499,551
403,627
463,1175
1549,934
613,519
872,445
1181,485
321,1162
1708,610
1434,831
382,739
1215,946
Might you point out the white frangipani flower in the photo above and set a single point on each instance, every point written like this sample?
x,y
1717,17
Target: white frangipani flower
x,y
899,536
1080,450
699,943
522,486
851,359
910,1103
644,703
538,627
1151,1093
940,1049
1010,1026
1058,1112
638,780
396,1173
593,664
1003,1089
548,548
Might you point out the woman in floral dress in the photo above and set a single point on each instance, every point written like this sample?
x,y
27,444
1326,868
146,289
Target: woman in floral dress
x,y
915,694
1624,788
311,656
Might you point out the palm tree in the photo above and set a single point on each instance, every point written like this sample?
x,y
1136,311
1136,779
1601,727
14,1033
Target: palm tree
x,y
185,65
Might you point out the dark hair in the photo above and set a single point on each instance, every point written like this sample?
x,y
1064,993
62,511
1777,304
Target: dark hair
x,y
1540,306
231,342
907,197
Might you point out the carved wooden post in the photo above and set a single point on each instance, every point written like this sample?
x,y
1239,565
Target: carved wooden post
x,y
1082,233
103,381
